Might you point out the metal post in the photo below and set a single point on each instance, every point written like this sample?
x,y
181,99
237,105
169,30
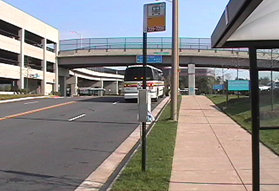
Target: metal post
x,y
227,93
175,60
237,74
254,77
223,80
125,44
143,145
271,85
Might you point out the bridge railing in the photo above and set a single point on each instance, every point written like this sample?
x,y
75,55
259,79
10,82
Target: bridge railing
x,y
162,43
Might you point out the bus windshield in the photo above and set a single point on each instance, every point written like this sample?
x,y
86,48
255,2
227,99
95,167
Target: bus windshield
x,y
137,73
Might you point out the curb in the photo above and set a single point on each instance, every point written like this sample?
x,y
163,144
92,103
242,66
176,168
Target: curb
x,y
108,170
23,99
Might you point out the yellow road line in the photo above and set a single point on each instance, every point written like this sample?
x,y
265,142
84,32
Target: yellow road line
x,y
36,110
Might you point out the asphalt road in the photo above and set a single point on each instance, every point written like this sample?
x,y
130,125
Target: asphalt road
x,y
54,149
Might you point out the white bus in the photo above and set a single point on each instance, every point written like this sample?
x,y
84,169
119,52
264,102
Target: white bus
x,y
133,81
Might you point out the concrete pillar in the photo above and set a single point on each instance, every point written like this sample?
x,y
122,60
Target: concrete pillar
x,y
117,87
44,66
102,86
64,86
56,68
111,87
21,35
73,81
191,79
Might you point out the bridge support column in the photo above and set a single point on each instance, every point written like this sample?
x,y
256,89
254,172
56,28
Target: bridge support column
x,y
102,86
64,86
99,84
111,87
117,87
191,79
73,81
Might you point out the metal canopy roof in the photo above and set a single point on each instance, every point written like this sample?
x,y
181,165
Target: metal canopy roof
x,y
248,23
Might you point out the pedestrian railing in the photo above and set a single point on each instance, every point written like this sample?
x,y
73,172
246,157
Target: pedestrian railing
x,y
125,43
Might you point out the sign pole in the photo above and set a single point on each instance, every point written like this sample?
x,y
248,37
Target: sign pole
x,y
143,145
154,21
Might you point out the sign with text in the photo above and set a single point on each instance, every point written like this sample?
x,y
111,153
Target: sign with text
x,y
154,17
238,85
151,59
218,87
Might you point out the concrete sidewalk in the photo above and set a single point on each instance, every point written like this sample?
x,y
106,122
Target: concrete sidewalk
x,y
213,153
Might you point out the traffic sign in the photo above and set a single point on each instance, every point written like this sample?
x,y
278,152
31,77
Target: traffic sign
x,y
154,17
238,85
151,59
218,87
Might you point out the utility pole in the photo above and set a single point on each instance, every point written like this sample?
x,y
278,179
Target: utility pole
x,y
175,59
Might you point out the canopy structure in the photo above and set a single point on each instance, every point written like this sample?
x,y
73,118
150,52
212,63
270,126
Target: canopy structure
x,y
253,24
248,23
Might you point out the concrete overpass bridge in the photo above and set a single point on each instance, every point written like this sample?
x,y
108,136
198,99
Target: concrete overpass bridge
x,y
99,52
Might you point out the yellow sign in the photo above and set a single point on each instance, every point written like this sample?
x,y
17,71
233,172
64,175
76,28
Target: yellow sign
x,y
155,17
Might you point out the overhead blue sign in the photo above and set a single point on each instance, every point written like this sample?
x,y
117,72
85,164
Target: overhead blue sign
x,y
218,87
151,59
238,85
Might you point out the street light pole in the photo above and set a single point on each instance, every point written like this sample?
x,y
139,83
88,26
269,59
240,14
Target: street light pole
x,y
80,38
175,59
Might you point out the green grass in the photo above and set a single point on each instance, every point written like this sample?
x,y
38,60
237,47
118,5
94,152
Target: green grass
x,y
161,142
6,97
240,111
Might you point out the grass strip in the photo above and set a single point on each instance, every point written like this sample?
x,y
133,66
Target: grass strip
x,y
240,111
161,142
6,97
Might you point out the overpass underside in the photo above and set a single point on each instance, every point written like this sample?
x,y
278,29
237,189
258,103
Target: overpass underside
x,y
201,58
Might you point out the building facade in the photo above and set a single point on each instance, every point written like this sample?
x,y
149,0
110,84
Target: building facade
x,y
28,52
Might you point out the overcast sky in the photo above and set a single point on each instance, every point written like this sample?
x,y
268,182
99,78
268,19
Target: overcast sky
x,y
119,18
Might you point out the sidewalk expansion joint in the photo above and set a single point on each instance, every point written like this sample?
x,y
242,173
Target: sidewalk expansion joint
x,y
244,185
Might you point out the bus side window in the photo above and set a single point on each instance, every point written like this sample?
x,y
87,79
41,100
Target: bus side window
x,y
156,75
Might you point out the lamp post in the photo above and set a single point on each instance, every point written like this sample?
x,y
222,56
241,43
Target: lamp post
x,y
80,38
175,59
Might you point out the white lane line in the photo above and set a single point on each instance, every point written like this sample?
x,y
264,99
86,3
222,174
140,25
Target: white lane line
x,y
77,117
31,102
115,102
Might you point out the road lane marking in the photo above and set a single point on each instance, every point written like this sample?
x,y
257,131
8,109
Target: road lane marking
x,y
36,110
30,102
77,117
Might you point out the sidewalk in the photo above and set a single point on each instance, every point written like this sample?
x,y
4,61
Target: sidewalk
x,y
213,153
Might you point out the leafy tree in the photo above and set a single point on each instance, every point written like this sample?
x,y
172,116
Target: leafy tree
x,y
264,81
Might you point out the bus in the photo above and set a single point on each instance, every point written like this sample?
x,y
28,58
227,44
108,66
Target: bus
x,y
133,82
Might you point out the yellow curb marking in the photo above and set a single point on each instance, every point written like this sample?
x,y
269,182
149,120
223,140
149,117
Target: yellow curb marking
x,y
36,110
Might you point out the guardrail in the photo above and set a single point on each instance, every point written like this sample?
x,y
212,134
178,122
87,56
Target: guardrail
x,y
136,43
